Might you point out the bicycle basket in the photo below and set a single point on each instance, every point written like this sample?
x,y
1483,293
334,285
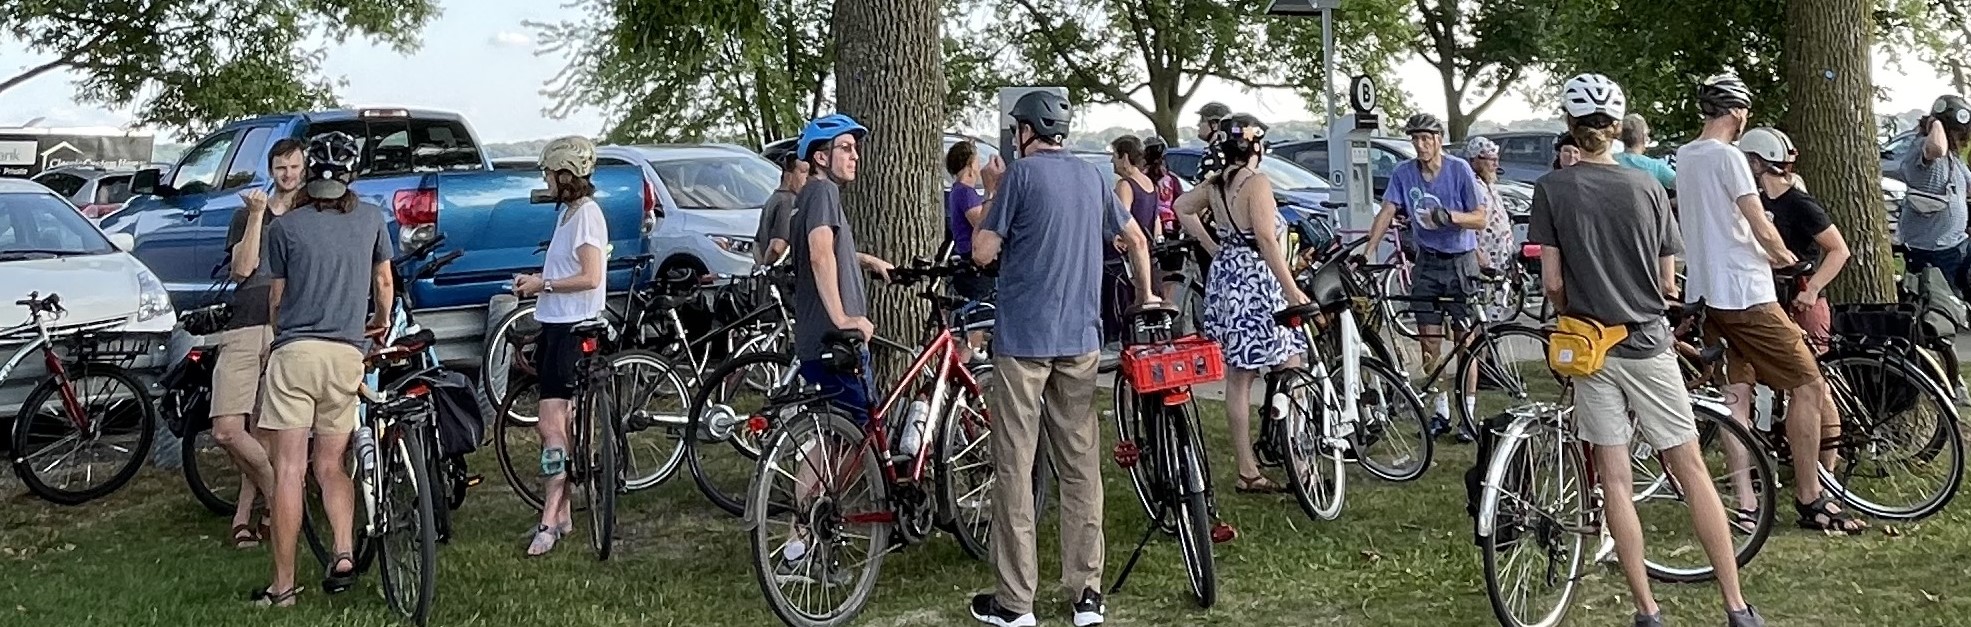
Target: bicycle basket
x,y
460,425
1188,360
1897,320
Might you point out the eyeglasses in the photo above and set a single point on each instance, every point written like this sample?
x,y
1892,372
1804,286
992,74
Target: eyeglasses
x,y
848,148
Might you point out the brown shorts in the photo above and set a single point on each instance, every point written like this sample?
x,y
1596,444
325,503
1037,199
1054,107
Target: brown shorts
x,y
1762,345
312,383
236,378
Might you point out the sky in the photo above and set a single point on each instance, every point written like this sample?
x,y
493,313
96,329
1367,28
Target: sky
x,y
482,62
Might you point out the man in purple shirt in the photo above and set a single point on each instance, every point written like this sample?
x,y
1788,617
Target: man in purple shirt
x,y
1442,199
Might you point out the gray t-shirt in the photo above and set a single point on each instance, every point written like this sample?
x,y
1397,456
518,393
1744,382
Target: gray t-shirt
x,y
250,295
1056,213
1945,177
327,258
819,205
776,220
1612,225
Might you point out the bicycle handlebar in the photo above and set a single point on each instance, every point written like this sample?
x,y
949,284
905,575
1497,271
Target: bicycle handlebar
x,y
35,304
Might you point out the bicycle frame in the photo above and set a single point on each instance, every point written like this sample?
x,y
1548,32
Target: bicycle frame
x,y
939,357
44,341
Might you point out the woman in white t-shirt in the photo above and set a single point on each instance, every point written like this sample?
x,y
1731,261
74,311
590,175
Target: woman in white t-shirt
x,y
571,290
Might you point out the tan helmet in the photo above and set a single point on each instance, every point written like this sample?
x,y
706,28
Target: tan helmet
x,y
573,154
1770,145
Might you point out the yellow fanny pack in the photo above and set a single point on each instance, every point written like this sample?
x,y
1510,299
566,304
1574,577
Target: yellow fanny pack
x,y
1579,346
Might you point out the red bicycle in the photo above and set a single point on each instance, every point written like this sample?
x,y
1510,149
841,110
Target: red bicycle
x,y
85,429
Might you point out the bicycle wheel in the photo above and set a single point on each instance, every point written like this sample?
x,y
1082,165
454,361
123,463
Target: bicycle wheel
x,y
1194,510
1742,474
603,477
499,357
68,464
1128,414
819,521
1511,360
1392,436
965,474
409,539
1316,467
722,448
651,399
1531,516
518,444
215,480
1396,281
1901,453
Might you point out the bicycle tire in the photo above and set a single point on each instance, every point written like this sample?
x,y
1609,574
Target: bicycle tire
x,y
703,437
496,359
1394,390
966,431
1317,493
1395,281
193,460
760,508
527,484
633,402
1869,422
421,550
441,484
138,406
1503,470
1127,412
1721,425
1194,539
603,478
1527,345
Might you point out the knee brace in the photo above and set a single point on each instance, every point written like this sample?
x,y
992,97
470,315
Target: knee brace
x,y
554,461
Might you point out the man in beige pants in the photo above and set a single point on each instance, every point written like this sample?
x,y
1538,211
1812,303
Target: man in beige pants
x,y
1057,214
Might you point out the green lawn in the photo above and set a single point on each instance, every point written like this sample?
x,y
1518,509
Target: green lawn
x,y
1400,555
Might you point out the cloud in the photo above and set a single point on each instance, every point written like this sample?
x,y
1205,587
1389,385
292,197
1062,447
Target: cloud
x,y
510,39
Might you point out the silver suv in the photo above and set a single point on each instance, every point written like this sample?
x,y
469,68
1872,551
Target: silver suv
x,y
96,191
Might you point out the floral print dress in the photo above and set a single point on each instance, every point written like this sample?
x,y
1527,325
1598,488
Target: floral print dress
x,y
1495,242
1241,296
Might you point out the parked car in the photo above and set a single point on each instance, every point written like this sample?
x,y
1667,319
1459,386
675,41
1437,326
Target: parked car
x,y
46,246
423,168
711,196
1385,153
96,191
1893,152
1298,191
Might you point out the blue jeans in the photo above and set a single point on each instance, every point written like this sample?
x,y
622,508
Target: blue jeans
x,y
850,391
1949,261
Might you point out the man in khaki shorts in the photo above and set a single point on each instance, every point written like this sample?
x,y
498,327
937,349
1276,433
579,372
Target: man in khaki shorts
x,y
246,338
327,259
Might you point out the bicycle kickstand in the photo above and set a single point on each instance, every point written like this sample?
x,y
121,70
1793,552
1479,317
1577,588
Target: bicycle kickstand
x,y
1156,523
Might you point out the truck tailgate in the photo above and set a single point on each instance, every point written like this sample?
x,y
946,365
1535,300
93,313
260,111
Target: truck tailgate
x,y
491,216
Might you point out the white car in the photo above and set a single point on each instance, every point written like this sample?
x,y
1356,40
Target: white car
x,y
47,247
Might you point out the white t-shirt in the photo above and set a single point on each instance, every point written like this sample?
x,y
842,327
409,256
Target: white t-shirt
x,y
1723,263
581,226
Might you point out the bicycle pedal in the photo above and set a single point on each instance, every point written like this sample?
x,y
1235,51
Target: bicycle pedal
x,y
474,481
1222,533
1127,454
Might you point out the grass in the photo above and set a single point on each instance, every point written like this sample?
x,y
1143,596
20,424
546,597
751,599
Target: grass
x,y
1399,555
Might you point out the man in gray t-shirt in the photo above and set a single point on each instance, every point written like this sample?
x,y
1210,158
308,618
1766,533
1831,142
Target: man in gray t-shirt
x,y
1933,168
1626,221
829,294
323,263
771,239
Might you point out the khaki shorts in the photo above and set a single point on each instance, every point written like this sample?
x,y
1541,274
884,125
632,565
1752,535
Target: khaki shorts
x,y
1651,391
312,383
1762,345
236,378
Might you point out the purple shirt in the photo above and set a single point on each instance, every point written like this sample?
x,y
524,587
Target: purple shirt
x,y
1456,188
961,199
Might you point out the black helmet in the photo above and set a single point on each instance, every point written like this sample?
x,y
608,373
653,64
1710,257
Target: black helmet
x,y
1239,136
1952,110
1423,123
1720,94
1214,111
331,158
1047,112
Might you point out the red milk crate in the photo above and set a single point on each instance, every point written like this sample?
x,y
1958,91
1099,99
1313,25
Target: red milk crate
x,y
1188,360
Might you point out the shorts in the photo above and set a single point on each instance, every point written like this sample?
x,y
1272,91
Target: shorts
x,y
1651,390
1438,275
312,383
1762,345
849,391
556,354
1817,322
242,362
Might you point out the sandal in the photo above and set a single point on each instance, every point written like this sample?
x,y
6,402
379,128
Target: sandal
x,y
245,537
544,540
1744,520
268,598
339,581
1258,484
1820,515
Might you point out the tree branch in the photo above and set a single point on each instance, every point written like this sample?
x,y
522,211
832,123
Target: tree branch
x,y
1512,76
63,61
1045,32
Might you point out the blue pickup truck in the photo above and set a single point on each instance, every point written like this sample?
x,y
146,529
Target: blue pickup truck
x,y
423,168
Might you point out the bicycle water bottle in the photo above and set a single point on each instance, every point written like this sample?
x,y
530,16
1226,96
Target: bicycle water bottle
x,y
366,449
913,427
1276,406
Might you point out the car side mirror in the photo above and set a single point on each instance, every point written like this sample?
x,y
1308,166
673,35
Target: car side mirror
x,y
541,197
149,182
123,241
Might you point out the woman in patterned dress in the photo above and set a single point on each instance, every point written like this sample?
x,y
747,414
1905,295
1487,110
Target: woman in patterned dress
x,y
1495,242
1248,282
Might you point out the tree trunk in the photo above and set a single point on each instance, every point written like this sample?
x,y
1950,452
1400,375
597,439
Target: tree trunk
x,y
1829,119
890,77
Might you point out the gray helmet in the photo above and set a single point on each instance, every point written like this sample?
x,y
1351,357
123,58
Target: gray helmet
x,y
1952,110
1214,111
1720,94
1047,112
1423,123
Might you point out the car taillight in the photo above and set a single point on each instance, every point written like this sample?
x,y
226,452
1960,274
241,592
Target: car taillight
x,y
649,206
416,207
195,354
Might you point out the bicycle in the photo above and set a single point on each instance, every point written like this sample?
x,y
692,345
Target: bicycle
x,y
85,429
942,446
412,359
1161,445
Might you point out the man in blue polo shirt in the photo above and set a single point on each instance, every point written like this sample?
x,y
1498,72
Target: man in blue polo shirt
x,y
1442,197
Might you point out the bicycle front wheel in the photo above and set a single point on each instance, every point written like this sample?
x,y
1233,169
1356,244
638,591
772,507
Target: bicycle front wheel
x,y
1538,510
1901,456
819,519
410,531
211,474
79,439
604,477
518,444
651,398
965,474
1392,437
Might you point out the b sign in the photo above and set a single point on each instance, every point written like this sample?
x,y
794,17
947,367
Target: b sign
x,y
1362,94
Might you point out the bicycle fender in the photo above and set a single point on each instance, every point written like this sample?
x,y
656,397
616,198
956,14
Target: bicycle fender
x,y
1488,504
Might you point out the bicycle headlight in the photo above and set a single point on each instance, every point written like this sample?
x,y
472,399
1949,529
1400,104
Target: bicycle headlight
x,y
152,299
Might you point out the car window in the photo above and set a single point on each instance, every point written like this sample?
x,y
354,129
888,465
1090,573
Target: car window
x,y
1185,165
199,171
111,190
248,159
1383,161
46,223
1896,146
63,183
1287,176
404,145
1531,149
735,182
986,152
1313,156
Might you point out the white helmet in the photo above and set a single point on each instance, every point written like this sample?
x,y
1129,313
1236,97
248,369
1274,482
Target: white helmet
x,y
1770,145
1589,94
573,154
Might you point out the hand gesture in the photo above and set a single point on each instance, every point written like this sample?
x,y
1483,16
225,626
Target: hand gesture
x,y
255,200
527,285
994,169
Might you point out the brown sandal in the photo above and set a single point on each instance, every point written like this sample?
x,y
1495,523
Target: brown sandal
x,y
1258,485
245,537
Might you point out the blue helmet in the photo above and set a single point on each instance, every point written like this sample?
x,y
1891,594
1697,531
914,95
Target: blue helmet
x,y
822,130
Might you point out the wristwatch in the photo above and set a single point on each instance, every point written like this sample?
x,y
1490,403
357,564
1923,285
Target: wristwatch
x,y
547,286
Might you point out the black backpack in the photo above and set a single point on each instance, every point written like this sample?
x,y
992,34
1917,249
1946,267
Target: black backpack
x,y
460,426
